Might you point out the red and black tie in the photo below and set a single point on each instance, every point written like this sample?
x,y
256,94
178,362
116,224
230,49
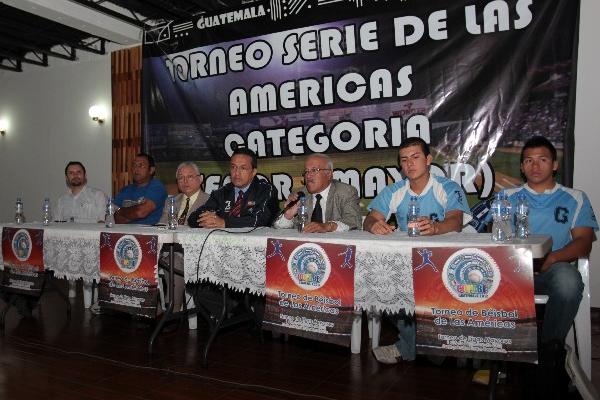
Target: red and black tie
x,y
237,207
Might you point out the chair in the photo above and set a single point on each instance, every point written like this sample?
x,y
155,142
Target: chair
x,y
580,335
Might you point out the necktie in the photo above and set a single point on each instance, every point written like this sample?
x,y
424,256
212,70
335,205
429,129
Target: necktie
x,y
237,207
182,220
317,215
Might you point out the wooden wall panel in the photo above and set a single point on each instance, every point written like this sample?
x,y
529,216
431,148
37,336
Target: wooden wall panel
x,y
126,73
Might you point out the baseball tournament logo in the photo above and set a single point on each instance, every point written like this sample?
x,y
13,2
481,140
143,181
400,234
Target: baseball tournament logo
x,y
21,245
471,275
309,266
128,254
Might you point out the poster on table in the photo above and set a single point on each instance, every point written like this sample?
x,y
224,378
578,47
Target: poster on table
x,y
475,302
23,255
310,290
353,79
128,273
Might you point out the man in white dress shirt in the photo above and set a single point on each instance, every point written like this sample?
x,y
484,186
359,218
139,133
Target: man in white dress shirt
x,y
81,204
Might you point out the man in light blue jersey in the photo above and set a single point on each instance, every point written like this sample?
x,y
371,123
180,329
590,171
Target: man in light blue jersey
x,y
442,204
567,215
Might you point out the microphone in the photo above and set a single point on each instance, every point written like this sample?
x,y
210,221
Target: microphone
x,y
300,195
292,204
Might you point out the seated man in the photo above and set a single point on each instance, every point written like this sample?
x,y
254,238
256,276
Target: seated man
x,y
567,215
82,204
442,203
332,206
191,197
142,201
244,202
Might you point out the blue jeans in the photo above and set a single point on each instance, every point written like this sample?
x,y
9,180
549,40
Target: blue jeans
x,y
564,287
406,335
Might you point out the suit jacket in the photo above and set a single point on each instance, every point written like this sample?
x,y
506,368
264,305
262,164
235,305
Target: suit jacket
x,y
259,208
200,200
342,204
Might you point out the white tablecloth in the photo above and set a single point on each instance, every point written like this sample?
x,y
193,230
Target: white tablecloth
x,y
383,277
382,282
72,250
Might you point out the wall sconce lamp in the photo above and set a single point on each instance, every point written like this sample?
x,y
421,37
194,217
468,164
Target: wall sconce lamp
x,y
97,113
3,126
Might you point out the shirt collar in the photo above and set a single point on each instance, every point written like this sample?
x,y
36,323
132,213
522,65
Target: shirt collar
x,y
323,193
192,198
243,190
425,189
547,191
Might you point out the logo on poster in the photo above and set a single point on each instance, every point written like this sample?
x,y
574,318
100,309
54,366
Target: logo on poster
x,y
128,254
309,266
471,275
21,245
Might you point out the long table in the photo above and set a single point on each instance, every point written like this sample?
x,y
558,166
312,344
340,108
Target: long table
x,y
72,250
383,276
236,258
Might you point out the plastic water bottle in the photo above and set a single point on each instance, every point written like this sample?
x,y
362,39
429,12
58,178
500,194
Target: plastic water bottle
x,y
499,233
507,216
522,218
302,214
46,212
109,216
19,215
412,224
171,213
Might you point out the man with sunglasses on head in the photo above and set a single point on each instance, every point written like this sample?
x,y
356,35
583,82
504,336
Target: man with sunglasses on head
x,y
332,206
246,201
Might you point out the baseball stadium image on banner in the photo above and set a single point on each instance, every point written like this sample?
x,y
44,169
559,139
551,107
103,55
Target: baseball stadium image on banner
x,y
354,79
310,290
475,302
128,273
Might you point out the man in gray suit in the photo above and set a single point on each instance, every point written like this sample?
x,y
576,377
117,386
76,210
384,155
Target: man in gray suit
x,y
191,197
332,206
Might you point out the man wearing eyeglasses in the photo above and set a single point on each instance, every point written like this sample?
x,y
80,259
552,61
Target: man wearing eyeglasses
x,y
191,197
332,206
189,200
246,201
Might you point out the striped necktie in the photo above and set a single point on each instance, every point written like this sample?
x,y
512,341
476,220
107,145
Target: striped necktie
x,y
237,207
182,220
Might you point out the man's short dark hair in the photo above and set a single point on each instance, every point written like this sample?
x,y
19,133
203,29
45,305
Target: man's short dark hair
x,y
539,141
74,163
148,157
246,152
415,141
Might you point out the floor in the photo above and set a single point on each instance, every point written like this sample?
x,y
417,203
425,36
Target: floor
x,y
105,357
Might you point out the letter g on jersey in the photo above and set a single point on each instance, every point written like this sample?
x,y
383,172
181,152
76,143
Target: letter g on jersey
x,y
561,215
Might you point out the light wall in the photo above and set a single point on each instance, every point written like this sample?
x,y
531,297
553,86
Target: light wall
x,y
587,127
47,108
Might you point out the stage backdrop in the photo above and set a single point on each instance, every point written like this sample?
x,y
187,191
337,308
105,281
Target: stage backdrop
x,y
288,78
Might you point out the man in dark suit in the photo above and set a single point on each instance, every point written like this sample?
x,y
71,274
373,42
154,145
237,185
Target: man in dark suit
x,y
246,201
191,197
332,206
